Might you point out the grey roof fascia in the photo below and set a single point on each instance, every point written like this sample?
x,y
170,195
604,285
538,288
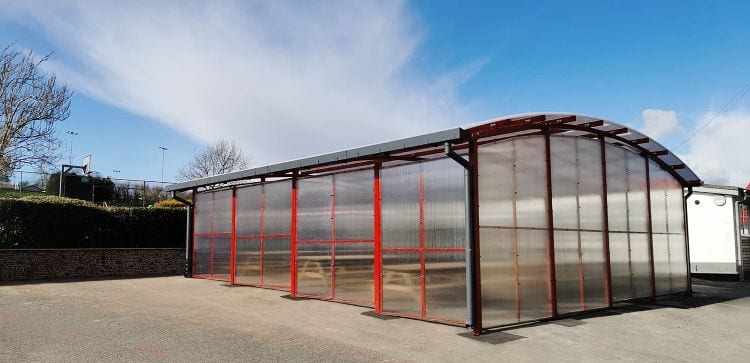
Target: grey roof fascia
x,y
454,134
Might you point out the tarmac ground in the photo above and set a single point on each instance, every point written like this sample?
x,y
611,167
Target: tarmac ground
x,y
179,319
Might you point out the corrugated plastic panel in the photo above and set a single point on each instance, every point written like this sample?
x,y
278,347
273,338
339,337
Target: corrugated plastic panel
x,y
314,208
402,291
619,257
277,211
276,261
617,203
354,207
223,211
247,257
496,184
661,264
564,182
400,206
204,204
567,271
354,272
248,210
498,277
592,248
445,285
202,256
444,204
531,181
640,264
314,269
591,185
637,199
222,253
532,274
678,262
658,198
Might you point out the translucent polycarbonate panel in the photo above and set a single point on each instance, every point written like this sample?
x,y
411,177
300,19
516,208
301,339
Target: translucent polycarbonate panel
x,y
444,204
402,291
202,256
221,255
277,209
276,261
617,186
496,186
661,264
675,207
204,204
658,199
314,269
594,269
314,208
354,272
399,187
637,198
564,182
533,279
498,259
531,183
248,211
353,204
445,285
222,211
678,262
247,261
591,185
640,264
619,259
568,271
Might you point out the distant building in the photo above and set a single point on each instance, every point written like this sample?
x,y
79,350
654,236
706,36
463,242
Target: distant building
x,y
718,230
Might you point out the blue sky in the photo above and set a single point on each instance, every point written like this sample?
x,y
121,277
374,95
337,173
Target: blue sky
x,y
289,79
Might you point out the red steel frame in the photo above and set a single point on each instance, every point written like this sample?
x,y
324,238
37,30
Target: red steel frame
x,y
293,264
333,241
378,263
422,250
263,236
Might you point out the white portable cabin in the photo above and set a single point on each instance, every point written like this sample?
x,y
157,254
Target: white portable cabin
x,y
718,231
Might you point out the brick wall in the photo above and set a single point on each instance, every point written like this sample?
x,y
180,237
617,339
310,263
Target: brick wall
x,y
95,262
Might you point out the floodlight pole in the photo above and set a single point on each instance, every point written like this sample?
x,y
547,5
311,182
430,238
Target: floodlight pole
x,y
163,154
70,156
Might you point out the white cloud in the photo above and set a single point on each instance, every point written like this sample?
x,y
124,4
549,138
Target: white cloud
x,y
285,79
719,153
659,123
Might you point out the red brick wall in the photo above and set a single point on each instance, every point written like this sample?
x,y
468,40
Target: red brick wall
x,y
85,263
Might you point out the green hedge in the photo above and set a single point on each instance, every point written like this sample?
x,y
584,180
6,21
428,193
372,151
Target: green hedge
x,y
53,222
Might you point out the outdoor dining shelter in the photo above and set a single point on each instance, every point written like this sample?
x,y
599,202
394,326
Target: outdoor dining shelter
x,y
517,219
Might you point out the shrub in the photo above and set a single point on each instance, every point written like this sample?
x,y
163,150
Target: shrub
x,y
169,203
53,222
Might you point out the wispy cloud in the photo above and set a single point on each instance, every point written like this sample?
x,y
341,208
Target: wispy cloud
x,y
659,123
284,79
718,153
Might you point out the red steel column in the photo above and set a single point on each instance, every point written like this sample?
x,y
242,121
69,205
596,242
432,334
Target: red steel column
x,y
211,236
650,228
423,277
333,236
192,216
293,263
552,287
605,226
378,263
233,241
261,242
474,161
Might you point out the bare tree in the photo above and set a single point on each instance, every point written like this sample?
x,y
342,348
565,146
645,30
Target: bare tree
x,y
222,157
31,103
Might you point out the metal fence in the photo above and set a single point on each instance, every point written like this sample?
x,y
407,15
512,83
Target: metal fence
x,y
112,191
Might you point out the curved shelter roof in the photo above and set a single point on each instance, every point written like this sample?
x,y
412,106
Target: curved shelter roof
x,y
416,147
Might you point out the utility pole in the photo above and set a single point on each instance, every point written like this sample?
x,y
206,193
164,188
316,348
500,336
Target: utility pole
x,y
70,156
